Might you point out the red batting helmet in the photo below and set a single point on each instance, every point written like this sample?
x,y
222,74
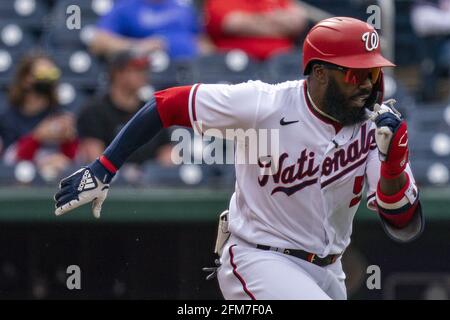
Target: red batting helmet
x,y
344,41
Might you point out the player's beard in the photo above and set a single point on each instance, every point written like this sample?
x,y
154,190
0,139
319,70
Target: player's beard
x,y
337,106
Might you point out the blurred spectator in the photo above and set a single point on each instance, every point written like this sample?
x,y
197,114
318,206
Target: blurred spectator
x,y
104,116
430,18
431,22
151,25
33,127
260,28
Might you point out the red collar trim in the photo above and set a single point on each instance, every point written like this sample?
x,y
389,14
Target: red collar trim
x,y
336,125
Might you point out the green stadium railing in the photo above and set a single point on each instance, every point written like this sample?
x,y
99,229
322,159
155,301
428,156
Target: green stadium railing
x,y
28,204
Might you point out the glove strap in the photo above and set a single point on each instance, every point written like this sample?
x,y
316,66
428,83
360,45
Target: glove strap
x,y
108,164
101,171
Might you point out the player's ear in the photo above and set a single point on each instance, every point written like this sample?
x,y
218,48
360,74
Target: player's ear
x,y
320,73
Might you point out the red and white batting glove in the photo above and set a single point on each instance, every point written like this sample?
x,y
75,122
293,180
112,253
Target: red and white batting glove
x,y
391,137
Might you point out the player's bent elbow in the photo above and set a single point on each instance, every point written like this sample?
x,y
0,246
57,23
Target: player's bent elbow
x,y
403,226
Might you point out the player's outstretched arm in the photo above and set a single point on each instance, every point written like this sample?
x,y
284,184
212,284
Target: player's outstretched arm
x,y
91,183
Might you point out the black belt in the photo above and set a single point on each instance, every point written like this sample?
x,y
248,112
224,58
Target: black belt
x,y
310,257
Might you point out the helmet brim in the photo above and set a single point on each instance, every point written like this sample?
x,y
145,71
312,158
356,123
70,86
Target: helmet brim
x,y
359,61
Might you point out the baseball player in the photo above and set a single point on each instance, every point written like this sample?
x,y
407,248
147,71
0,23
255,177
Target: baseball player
x,y
289,228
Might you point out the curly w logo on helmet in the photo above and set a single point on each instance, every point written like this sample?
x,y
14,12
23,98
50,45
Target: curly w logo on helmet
x,y
371,39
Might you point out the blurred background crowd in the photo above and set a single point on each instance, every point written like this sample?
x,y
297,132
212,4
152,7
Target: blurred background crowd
x,y
67,86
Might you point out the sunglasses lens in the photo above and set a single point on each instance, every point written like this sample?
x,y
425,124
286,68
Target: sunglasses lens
x,y
375,74
358,76
352,77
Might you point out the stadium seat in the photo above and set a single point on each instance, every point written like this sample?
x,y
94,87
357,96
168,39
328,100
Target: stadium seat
x,y
8,59
232,67
407,44
393,89
431,172
430,117
89,8
76,39
70,98
13,36
284,67
222,176
26,13
166,73
176,176
59,36
78,68
3,100
430,144
444,56
7,175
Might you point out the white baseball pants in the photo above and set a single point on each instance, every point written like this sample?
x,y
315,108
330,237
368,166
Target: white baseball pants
x,y
250,273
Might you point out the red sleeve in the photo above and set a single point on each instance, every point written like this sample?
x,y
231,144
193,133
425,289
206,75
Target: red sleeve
x,y
26,147
69,149
173,106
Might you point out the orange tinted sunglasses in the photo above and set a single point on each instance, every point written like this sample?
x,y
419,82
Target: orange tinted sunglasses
x,y
357,76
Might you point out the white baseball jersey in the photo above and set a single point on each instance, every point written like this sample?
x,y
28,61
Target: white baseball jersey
x,y
311,198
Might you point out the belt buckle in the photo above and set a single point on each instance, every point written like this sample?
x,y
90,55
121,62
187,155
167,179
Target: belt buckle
x,y
311,257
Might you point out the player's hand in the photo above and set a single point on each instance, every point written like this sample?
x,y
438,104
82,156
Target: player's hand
x,y
89,184
392,139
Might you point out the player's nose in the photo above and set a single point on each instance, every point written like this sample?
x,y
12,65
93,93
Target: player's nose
x,y
367,85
